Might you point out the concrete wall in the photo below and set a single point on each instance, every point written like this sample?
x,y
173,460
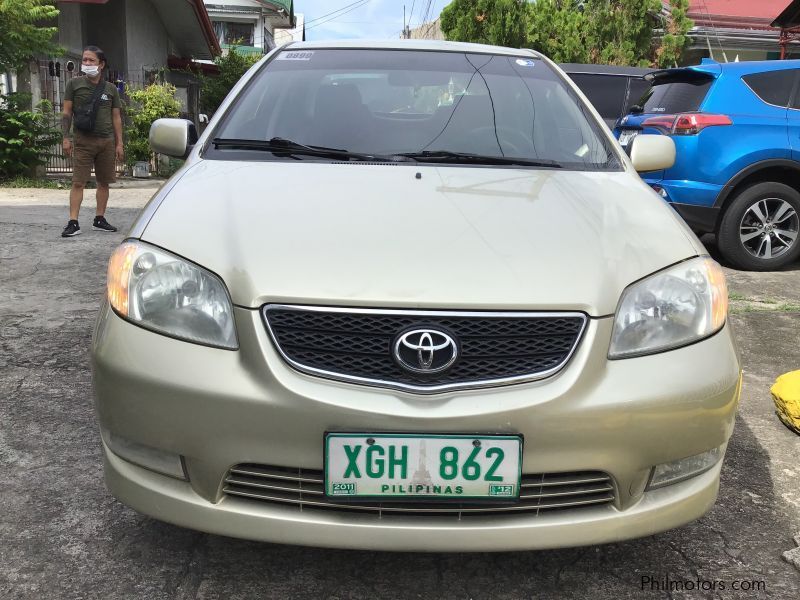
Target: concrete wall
x,y
105,27
70,29
148,42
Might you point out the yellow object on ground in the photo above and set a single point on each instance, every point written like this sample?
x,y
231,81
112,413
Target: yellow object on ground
x,y
786,394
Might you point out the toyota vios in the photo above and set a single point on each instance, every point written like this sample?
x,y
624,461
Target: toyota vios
x,y
413,296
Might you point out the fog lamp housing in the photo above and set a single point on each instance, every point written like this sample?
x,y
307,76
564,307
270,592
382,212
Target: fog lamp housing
x,y
166,463
684,468
660,191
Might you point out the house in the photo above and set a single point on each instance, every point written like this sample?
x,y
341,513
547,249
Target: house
x,y
789,23
431,30
284,35
137,34
728,30
141,39
249,25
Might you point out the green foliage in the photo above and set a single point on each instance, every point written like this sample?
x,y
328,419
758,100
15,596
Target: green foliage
x,y
622,30
231,68
616,32
21,36
29,182
675,39
172,166
26,136
156,101
560,31
497,22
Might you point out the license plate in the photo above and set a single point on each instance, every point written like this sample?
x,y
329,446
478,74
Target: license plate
x,y
625,137
415,466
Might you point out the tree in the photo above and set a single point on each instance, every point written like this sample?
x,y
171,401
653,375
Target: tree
x,y
617,32
497,22
560,30
231,68
675,37
22,37
622,31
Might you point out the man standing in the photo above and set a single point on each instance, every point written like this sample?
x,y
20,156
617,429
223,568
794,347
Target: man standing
x,y
98,137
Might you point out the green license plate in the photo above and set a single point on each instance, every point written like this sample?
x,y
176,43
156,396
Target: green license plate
x,y
430,466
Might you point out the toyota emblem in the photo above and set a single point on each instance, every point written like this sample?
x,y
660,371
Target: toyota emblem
x,y
425,351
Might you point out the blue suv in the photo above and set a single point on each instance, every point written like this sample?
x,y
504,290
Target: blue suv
x,y
736,127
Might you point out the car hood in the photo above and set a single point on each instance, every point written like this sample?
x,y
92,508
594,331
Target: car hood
x,y
416,236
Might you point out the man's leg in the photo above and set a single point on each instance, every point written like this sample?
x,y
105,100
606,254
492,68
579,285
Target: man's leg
x,y
105,170
76,197
102,198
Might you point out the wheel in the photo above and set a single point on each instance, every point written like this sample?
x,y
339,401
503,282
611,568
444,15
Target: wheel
x,y
759,229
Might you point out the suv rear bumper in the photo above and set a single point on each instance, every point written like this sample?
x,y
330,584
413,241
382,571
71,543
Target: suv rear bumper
x,y
695,201
702,219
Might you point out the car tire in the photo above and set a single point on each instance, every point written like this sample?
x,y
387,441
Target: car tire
x,y
748,236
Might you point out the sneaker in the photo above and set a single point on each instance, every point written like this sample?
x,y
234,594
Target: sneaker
x,y
71,229
101,224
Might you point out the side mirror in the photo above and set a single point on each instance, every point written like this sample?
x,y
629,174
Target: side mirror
x,y
652,152
173,137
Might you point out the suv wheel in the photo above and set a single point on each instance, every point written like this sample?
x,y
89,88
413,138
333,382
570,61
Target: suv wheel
x,y
759,230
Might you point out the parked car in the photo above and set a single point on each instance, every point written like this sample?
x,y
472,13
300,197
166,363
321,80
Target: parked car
x,y
612,90
412,295
736,127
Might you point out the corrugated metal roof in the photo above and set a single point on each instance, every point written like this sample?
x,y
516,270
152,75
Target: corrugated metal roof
x,y
735,14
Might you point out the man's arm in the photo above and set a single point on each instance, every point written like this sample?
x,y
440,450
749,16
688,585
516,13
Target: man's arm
x,y
66,123
116,118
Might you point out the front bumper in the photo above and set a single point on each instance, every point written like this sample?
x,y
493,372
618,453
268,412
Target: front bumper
x,y
218,408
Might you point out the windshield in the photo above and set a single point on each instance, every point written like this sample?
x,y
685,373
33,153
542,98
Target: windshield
x,y
395,102
677,94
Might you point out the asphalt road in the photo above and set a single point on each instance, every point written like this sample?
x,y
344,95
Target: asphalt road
x,y
62,535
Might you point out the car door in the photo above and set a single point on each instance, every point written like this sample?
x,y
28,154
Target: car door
x,y
793,117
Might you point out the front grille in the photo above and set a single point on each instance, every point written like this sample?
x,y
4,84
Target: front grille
x,y
356,344
304,489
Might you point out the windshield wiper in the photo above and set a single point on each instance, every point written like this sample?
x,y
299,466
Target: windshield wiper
x,y
477,159
284,147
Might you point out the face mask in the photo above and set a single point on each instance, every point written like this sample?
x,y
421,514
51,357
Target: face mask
x,y
91,70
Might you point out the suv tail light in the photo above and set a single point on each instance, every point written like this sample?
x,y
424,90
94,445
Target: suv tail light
x,y
687,123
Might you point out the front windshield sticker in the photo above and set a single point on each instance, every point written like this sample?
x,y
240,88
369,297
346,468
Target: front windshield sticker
x,y
526,62
305,55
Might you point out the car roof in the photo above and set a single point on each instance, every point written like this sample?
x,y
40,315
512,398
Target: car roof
x,y
403,44
745,67
604,69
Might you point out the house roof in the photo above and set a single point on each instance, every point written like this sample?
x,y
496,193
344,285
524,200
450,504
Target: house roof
x,y
790,17
189,27
187,24
735,14
286,5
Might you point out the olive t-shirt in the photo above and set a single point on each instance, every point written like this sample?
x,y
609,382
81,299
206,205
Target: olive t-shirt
x,y
80,90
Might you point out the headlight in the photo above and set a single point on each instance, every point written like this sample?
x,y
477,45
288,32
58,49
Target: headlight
x,y
169,295
672,308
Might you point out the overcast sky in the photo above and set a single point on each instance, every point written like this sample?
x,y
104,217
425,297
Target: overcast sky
x,y
371,19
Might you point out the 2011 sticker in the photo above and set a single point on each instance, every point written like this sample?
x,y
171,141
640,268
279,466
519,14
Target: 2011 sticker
x,y
526,62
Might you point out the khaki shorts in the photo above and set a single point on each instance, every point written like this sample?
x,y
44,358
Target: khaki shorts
x,y
89,151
